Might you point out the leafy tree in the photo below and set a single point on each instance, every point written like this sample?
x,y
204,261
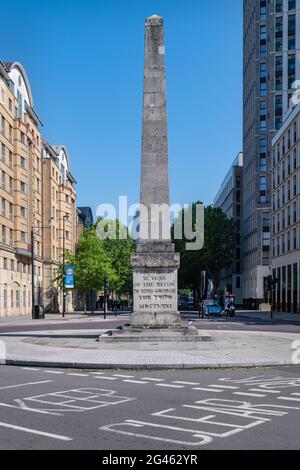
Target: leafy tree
x,y
218,250
91,262
119,250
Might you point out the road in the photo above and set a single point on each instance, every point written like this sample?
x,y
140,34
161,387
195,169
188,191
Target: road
x,y
149,410
238,323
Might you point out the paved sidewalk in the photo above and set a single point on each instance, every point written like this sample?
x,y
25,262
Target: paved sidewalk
x,y
54,318
67,349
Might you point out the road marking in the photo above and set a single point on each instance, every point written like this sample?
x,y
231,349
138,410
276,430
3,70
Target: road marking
x,y
288,398
295,394
105,378
123,376
225,386
35,431
263,390
244,394
208,390
78,375
170,385
185,383
54,372
23,385
135,381
97,373
30,368
152,379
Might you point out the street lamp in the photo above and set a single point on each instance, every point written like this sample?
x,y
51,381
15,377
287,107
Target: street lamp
x,y
34,230
65,217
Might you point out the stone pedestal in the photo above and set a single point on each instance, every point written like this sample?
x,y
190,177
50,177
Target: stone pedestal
x,y
155,266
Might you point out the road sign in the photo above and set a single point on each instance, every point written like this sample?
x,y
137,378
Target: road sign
x,y
69,278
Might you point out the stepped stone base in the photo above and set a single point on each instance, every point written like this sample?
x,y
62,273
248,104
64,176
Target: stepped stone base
x,y
155,335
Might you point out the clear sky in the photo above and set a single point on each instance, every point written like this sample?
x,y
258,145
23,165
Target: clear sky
x,y
84,59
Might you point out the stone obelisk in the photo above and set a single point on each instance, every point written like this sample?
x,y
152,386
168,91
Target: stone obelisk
x,y
155,263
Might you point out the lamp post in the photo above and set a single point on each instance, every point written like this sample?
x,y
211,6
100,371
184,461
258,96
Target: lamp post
x,y
34,230
65,217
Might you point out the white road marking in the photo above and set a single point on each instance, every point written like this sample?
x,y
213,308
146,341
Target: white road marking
x,y
54,372
263,390
97,373
288,398
78,375
246,394
185,383
295,394
225,386
105,378
123,376
208,390
23,385
135,381
152,379
35,431
30,368
170,385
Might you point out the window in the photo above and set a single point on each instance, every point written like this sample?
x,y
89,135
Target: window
x,y
4,263
3,180
22,137
291,70
292,4
278,111
22,162
22,187
10,185
3,234
22,236
22,211
291,32
3,152
279,6
278,34
17,299
10,104
3,207
263,189
278,73
3,125
10,159
10,211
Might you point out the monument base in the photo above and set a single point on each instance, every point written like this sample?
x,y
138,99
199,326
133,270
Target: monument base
x,y
146,320
155,335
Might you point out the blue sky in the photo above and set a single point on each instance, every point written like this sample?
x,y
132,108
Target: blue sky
x,y
85,64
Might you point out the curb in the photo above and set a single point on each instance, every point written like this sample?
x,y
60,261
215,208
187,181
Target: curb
x,y
88,365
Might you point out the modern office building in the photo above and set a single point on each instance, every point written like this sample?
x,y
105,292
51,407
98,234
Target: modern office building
x,y
229,199
286,214
84,219
271,66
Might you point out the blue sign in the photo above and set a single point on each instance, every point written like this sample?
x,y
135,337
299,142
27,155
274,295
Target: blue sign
x,y
69,278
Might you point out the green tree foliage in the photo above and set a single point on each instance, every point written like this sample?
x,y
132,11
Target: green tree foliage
x,y
218,251
95,257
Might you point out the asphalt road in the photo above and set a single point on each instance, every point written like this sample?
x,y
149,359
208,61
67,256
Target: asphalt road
x,y
237,323
150,410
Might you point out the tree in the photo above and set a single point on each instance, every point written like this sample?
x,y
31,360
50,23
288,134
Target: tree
x,y
119,250
218,250
91,262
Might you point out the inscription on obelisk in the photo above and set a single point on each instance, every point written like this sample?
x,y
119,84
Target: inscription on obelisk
x,y
155,263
